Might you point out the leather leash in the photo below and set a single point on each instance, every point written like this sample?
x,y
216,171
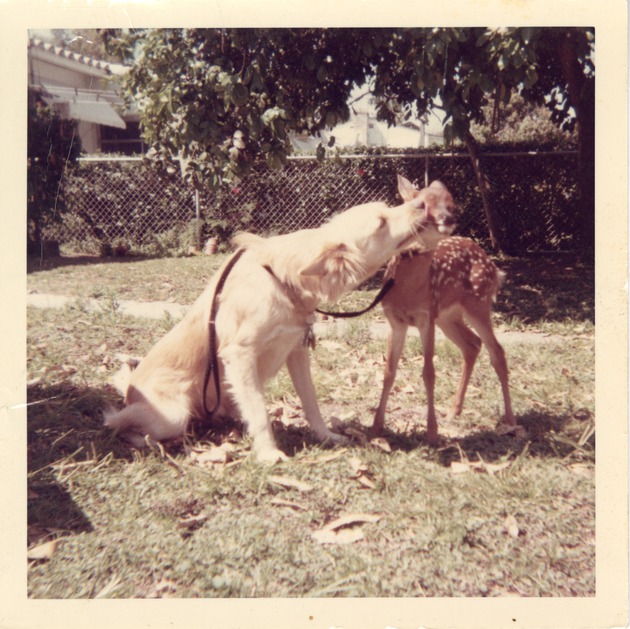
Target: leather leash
x,y
211,365
377,300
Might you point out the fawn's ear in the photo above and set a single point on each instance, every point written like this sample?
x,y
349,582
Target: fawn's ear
x,y
437,184
406,189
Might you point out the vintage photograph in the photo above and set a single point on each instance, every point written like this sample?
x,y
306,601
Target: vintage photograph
x,y
310,314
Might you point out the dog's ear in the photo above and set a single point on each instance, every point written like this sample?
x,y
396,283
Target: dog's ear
x,y
331,259
406,189
335,269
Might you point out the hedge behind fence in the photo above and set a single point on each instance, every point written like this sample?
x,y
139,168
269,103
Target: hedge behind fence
x,y
131,203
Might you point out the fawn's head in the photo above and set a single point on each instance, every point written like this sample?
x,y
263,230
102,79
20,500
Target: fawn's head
x,y
438,208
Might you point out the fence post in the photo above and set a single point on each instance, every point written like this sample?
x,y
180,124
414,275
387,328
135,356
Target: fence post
x,y
197,220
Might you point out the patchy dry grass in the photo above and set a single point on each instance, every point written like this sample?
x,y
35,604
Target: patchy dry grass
x,y
482,515
539,291
179,280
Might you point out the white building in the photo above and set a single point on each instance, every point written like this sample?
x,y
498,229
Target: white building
x,y
364,130
84,89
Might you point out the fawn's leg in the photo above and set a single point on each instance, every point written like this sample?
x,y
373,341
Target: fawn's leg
x,y
469,345
483,325
426,327
395,345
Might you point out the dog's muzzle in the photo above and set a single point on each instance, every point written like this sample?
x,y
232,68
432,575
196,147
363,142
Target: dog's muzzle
x,y
445,225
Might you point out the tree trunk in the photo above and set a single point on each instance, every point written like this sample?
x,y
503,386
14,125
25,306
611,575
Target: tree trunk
x,y
582,97
484,189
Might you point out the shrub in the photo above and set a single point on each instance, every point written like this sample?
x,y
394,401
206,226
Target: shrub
x,y
53,146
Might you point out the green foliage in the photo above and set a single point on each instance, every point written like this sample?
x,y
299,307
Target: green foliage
x,y
217,99
522,123
53,146
152,212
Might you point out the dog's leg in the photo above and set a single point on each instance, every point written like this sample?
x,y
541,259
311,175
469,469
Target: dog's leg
x,y
247,390
300,371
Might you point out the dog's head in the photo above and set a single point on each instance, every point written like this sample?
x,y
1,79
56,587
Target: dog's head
x,y
352,246
435,210
362,238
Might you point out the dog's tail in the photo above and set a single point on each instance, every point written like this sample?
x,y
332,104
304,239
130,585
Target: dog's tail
x,y
245,240
127,423
120,380
119,421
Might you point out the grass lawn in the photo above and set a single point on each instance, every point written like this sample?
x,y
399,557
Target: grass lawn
x,y
481,515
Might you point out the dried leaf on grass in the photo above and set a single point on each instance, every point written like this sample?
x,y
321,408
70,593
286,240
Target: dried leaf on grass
x,y
344,536
344,530
43,552
511,526
191,522
381,443
214,455
459,468
325,458
462,467
162,589
279,502
366,481
357,466
290,483
361,473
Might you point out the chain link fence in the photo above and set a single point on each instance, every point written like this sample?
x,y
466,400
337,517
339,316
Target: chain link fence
x,y
126,204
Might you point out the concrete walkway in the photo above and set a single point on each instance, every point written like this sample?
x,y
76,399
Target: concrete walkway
x,y
328,328
147,309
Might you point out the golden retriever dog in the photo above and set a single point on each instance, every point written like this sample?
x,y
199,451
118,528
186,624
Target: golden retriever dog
x,y
264,320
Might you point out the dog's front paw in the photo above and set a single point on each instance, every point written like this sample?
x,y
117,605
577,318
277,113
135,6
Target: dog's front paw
x,y
269,455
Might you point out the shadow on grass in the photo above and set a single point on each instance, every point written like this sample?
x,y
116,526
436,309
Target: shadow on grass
x,y
64,433
546,435
547,288
35,264
65,429
51,510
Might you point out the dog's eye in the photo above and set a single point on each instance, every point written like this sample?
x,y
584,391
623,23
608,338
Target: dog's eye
x,y
382,222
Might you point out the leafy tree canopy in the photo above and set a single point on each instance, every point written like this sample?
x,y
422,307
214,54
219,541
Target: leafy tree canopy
x,y
217,99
